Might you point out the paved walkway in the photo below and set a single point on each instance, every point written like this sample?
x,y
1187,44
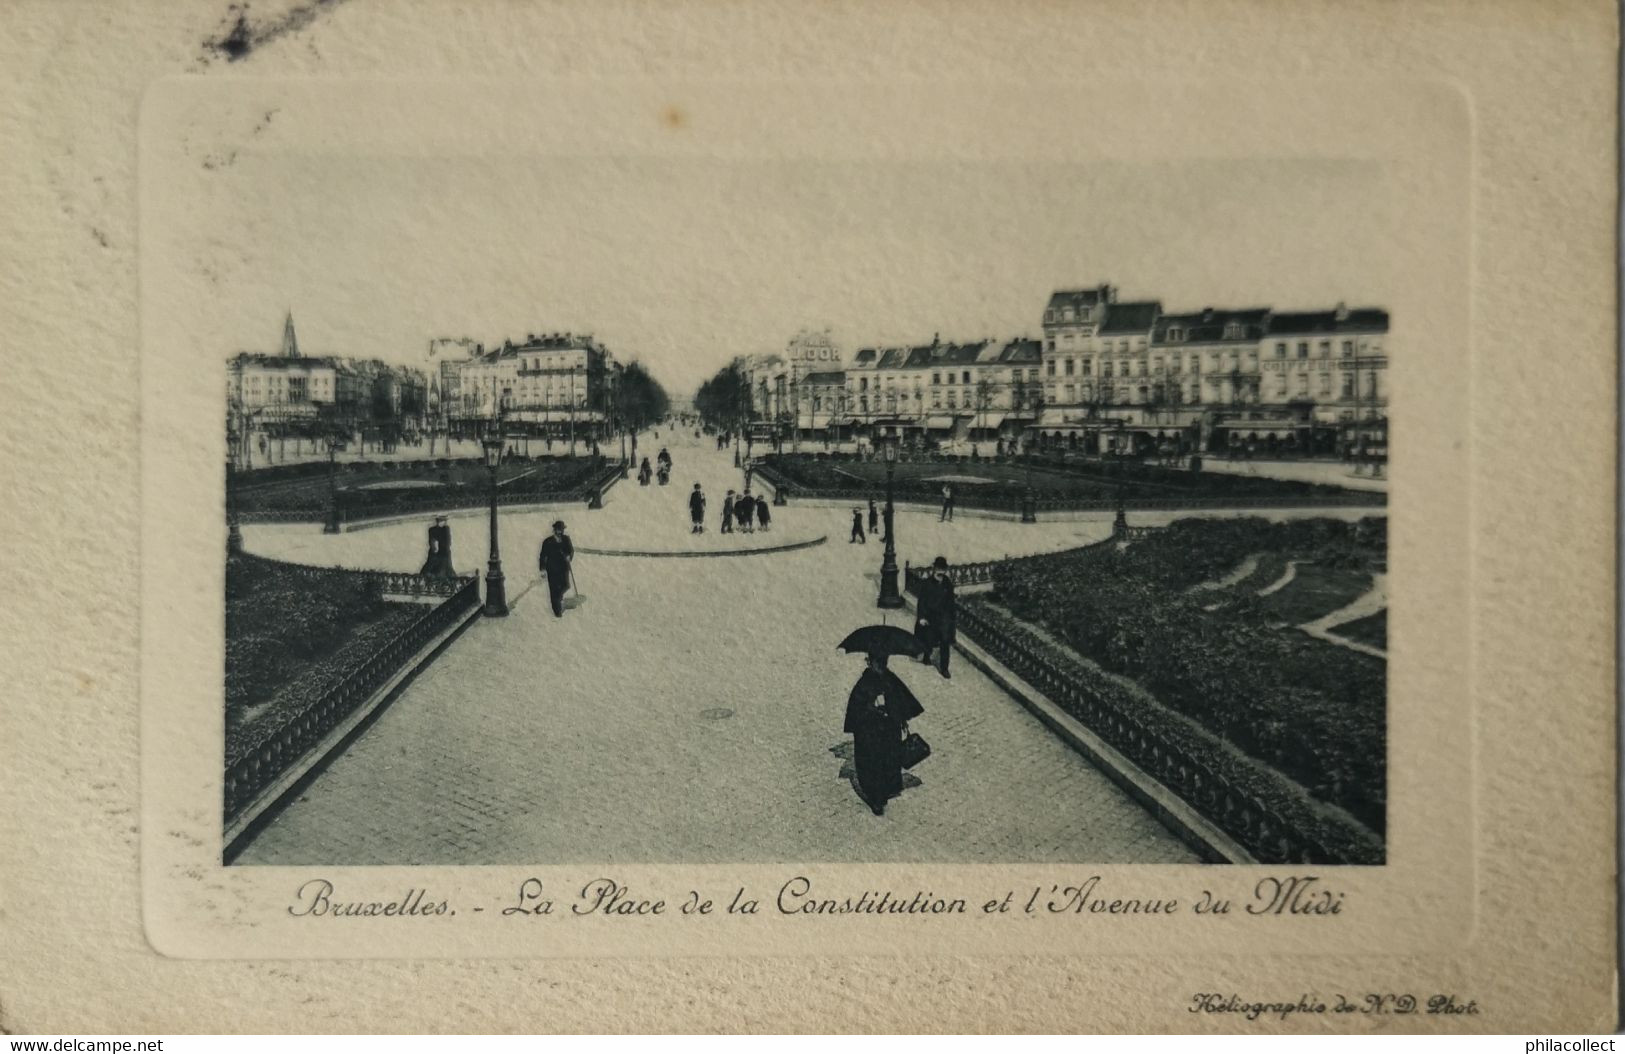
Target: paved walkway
x,y
690,711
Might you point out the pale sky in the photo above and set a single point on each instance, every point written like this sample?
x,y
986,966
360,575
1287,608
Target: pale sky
x,y
686,262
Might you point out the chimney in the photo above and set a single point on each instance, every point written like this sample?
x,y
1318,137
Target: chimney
x,y
1207,314
1342,311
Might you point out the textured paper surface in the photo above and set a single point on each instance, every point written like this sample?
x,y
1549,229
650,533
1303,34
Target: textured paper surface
x,y
1499,887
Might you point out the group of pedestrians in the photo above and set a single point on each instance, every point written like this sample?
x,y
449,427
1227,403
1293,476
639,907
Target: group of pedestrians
x,y
744,509
857,524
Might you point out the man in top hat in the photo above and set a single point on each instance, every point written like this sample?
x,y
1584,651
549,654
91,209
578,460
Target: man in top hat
x,y
438,562
557,553
934,616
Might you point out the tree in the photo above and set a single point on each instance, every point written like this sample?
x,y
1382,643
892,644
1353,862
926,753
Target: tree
x,y
724,401
642,400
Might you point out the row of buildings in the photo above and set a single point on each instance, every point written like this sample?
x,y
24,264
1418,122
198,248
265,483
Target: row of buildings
x,y
292,394
1107,374
549,384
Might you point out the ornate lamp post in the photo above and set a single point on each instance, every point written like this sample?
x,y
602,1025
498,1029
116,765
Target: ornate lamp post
x,y
332,524
234,534
889,596
496,599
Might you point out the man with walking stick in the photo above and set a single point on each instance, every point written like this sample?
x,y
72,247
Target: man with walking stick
x,y
557,553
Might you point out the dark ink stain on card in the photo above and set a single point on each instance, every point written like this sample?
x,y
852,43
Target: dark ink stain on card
x,y
240,35
674,118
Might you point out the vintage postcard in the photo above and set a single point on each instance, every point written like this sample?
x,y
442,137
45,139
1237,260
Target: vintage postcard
x,y
757,517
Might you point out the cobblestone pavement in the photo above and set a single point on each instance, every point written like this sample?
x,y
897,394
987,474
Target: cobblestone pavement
x,y
689,710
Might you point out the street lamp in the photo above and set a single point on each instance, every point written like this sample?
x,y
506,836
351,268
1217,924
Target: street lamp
x,y
496,600
332,524
234,534
889,596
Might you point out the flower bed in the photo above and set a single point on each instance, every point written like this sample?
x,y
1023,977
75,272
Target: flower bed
x,y
1269,814
281,622
307,646
1309,709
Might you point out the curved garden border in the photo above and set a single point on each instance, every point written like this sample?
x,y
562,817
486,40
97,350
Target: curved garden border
x,y
789,547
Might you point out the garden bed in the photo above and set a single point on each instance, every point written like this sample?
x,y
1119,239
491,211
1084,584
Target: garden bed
x,y
285,627
1309,709
1372,630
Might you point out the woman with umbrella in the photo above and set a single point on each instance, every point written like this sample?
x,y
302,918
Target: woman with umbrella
x,y
878,712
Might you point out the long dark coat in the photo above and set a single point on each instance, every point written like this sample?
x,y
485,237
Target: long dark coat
x,y
936,607
876,710
439,559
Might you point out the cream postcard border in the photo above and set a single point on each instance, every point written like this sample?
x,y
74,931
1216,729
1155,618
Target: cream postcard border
x,y
1420,901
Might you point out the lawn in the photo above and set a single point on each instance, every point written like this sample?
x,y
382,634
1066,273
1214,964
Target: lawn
x,y
1316,591
373,487
1002,482
1371,630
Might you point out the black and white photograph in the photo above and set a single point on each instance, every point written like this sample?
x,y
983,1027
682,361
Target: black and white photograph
x,y
867,512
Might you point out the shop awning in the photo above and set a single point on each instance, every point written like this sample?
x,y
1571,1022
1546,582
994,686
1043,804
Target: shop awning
x,y
939,422
988,420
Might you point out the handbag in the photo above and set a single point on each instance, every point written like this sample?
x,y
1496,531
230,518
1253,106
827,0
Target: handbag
x,y
915,750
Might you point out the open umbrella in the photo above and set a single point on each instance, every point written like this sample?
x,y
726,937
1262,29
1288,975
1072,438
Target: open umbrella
x,y
881,640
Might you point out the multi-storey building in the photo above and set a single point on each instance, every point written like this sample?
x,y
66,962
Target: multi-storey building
x,y
549,384
1128,374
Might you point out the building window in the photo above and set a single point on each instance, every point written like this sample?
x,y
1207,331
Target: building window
x,y
1196,391
1142,368
1069,367
1066,315
1232,331
967,378
1175,333
1084,313
1325,384
1325,347
1049,368
1348,386
1303,384
1106,369
1303,349
1280,349
953,401
1051,344
936,378
1049,316
1066,339
1348,347
1070,393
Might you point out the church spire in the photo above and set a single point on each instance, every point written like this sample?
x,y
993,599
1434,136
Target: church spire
x,y
290,343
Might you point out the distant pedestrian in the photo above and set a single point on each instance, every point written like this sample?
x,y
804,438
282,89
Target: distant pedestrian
x,y
745,511
696,510
857,528
763,517
728,513
644,473
947,503
557,554
936,615
874,517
